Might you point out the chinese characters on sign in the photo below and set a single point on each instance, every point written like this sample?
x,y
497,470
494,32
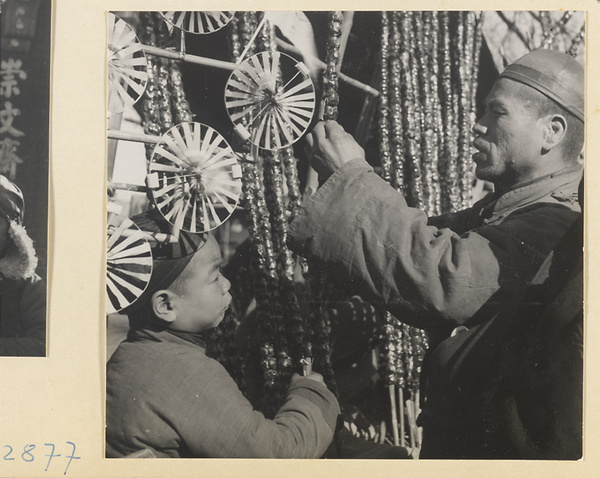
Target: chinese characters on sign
x,y
11,73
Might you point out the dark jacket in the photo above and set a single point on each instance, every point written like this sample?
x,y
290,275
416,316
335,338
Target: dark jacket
x,y
22,317
511,387
164,394
472,269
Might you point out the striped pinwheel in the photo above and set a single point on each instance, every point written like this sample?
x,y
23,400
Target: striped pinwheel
x,y
198,22
127,64
194,177
128,263
270,99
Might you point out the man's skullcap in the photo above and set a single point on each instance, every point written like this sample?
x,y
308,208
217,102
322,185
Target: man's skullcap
x,y
554,74
12,204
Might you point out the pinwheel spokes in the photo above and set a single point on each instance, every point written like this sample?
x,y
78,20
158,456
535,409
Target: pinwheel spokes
x,y
128,263
127,65
270,99
198,22
194,177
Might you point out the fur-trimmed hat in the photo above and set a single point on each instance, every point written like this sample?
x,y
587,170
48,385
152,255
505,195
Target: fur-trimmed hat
x,y
19,260
12,203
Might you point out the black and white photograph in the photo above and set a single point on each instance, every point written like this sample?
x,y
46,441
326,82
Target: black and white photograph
x,y
336,234
24,160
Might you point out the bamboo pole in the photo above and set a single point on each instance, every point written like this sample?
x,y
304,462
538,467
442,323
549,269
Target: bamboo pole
x,y
382,432
417,413
401,407
392,391
114,121
411,418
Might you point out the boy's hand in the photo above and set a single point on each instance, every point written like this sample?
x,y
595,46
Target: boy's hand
x,y
329,147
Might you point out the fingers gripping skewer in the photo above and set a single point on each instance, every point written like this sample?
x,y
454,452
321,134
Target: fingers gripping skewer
x,y
306,366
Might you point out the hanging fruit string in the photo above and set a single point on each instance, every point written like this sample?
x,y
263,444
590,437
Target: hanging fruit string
x,y
464,49
320,287
292,182
181,107
429,135
163,66
472,106
451,198
576,42
302,347
384,119
235,46
283,312
390,124
150,107
395,105
254,206
550,31
429,65
332,59
412,109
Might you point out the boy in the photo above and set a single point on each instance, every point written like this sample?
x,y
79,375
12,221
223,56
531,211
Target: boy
x,y
165,395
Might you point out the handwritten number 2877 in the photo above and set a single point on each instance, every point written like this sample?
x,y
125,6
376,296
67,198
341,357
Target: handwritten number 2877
x,y
28,454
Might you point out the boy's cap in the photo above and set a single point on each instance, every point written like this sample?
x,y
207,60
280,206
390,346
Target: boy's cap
x,y
554,74
12,203
168,259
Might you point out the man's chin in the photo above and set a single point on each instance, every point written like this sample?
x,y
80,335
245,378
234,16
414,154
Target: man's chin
x,y
484,173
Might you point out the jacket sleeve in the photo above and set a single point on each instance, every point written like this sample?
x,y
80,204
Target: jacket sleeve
x,y
32,311
364,229
218,421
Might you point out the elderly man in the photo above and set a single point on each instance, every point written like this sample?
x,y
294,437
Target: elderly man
x,y
22,292
453,274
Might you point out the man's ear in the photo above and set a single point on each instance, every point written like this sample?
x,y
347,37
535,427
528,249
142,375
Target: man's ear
x,y
163,305
556,129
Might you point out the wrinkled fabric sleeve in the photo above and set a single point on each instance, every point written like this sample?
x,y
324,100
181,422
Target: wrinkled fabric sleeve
x,y
364,229
220,422
32,308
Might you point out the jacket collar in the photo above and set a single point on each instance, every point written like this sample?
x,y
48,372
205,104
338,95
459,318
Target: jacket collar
x,y
560,187
167,335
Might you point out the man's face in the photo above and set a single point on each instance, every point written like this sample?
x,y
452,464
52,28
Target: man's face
x,y
202,303
508,136
4,237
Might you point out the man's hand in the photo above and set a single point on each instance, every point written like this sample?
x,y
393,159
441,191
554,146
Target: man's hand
x,y
329,147
317,377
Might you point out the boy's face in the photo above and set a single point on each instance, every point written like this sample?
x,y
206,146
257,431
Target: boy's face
x,y
203,299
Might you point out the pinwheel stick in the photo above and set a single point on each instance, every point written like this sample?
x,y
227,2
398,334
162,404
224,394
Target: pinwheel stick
x,y
154,236
198,60
135,137
285,46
